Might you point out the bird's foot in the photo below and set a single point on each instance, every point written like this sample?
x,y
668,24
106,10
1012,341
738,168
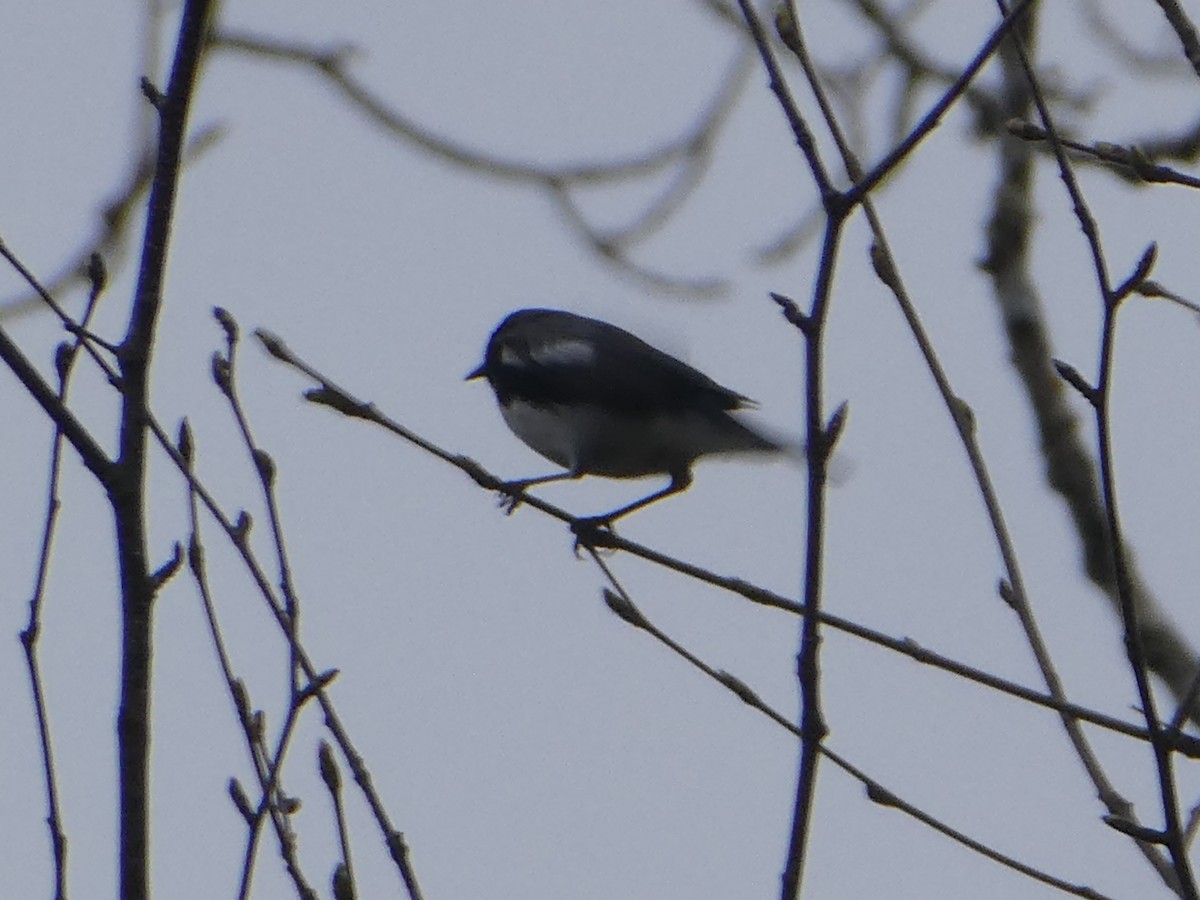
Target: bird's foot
x,y
593,532
511,494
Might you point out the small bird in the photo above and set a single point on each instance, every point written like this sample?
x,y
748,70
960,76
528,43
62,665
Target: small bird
x,y
599,401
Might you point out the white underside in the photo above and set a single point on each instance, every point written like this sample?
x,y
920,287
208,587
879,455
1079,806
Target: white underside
x,y
582,439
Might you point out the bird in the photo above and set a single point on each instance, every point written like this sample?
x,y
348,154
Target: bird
x,y
598,400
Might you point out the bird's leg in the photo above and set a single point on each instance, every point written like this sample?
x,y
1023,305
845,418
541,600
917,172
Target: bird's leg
x,y
681,480
511,492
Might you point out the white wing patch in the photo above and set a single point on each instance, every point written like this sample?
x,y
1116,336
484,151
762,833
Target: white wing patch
x,y
509,357
564,353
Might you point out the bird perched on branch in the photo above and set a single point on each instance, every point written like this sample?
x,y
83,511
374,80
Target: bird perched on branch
x,y
597,400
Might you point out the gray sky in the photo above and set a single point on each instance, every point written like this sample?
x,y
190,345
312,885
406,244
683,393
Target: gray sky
x,y
525,740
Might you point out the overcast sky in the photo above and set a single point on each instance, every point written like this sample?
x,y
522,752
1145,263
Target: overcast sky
x,y
526,741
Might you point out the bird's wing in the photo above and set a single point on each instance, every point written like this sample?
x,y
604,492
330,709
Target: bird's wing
x,y
593,362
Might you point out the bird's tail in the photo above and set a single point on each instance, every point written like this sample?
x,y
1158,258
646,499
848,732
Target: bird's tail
x,y
757,438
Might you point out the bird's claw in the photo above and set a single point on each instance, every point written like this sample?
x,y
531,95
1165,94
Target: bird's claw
x,y
593,532
511,494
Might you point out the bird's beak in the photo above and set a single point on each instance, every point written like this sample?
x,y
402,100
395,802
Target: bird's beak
x,y
477,373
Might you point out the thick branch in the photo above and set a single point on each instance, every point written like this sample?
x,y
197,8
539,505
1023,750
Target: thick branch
x,y
127,491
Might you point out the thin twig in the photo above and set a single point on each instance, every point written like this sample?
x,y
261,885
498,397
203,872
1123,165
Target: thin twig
x,y
334,397
1189,40
619,602
90,452
686,155
237,531
1112,298
117,216
332,778
265,770
67,354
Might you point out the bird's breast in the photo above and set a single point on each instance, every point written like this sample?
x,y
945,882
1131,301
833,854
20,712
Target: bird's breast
x,y
589,439
545,428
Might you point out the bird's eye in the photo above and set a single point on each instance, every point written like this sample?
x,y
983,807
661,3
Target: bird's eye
x,y
564,353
